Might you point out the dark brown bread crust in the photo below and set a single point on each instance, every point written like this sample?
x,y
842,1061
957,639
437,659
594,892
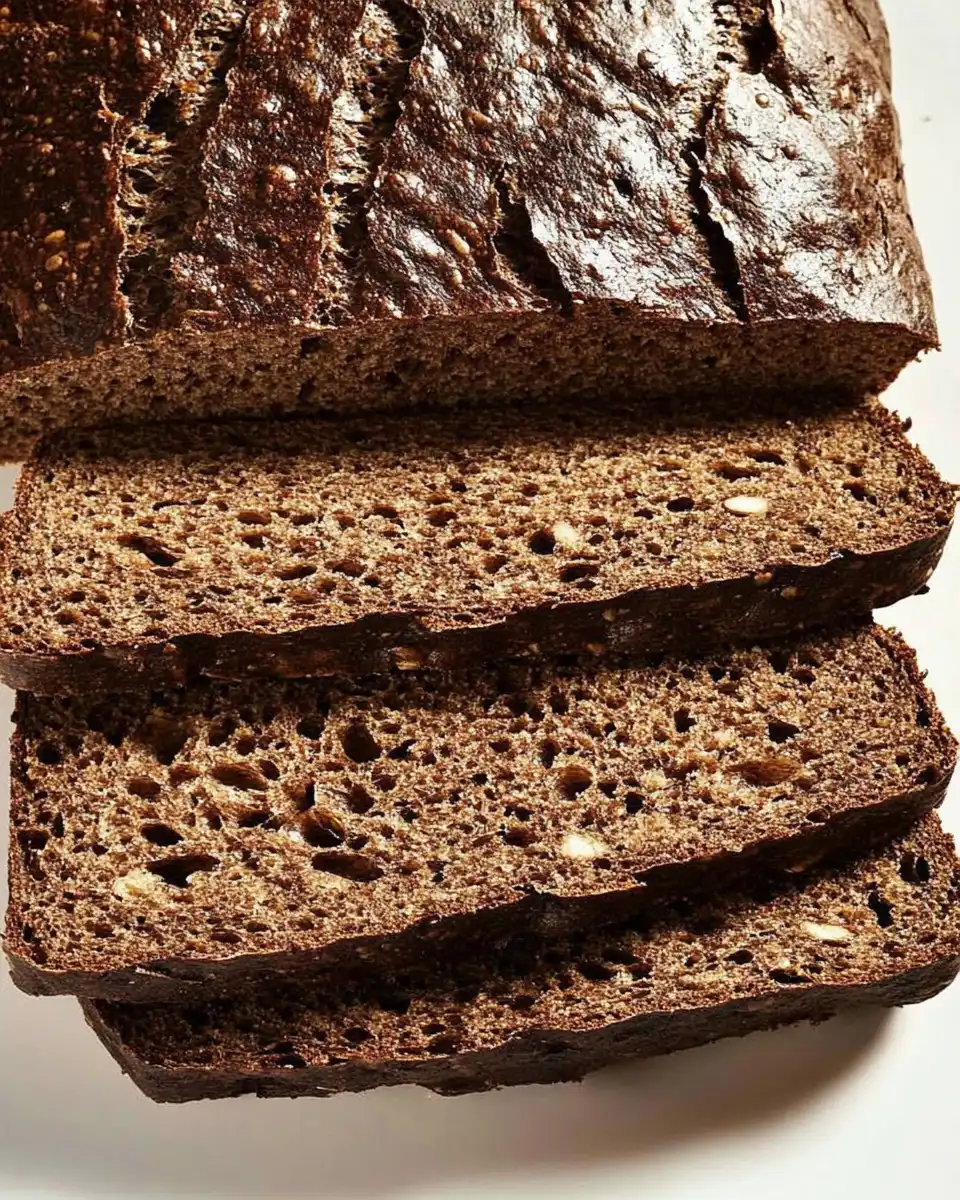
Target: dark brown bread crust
x,y
532,1059
491,872
858,519
883,931
739,212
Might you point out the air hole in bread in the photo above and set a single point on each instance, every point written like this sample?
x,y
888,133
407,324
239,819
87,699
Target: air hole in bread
x,y
577,571
166,737
542,542
358,867
914,868
160,834
548,752
781,731
144,787
788,975
599,972
446,1043
322,829
359,744
151,548
883,909
574,779
49,754
176,871
683,721
241,776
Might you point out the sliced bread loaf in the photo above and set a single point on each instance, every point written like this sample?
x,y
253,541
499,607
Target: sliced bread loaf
x,y
463,203
883,931
176,844
316,547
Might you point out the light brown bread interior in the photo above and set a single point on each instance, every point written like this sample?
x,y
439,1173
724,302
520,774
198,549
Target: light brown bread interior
x,y
320,547
885,930
170,843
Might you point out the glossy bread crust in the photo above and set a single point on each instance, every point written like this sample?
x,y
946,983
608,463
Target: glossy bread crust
x,y
714,168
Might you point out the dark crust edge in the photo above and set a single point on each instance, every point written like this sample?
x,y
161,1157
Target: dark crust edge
x,y
539,1056
848,831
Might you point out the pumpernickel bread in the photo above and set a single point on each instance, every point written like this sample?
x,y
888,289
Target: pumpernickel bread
x,y
171,845
317,547
241,206
883,931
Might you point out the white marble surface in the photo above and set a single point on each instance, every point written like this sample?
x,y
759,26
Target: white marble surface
x,y
860,1107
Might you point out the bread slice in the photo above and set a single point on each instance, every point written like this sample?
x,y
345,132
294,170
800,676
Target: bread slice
x,y
176,844
311,547
468,202
885,930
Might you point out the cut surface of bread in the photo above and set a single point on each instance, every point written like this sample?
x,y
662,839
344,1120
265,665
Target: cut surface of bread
x,y
319,547
885,931
173,844
194,231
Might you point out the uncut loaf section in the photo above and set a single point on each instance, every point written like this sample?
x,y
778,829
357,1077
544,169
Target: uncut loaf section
x,y
171,846
357,203
883,930
315,547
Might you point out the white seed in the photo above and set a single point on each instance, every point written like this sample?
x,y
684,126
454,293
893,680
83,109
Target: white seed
x,y
834,934
566,535
137,883
580,845
461,245
747,506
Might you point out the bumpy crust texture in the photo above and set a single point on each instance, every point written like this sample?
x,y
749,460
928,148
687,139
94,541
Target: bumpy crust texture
x,y
319,547
177,845
883,931
374,166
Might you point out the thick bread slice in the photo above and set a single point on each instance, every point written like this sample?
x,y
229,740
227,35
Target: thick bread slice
x,y
176,844
312,547
883,931
464,203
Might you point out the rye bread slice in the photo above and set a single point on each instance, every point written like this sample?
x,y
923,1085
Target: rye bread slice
x,y
314,548
885,930
173,845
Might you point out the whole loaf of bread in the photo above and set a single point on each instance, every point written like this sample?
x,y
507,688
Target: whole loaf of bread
x,y
258,207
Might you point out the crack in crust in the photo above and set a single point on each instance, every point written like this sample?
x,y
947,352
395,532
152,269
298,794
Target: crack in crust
x,y
161,192
388,40
723,256
519,249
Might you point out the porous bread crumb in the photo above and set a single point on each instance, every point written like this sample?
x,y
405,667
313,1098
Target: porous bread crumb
x,y
536,1013
302,548
362,808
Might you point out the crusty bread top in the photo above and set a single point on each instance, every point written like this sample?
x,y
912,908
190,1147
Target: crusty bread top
x,y
396,532
317,164
215,823
859,927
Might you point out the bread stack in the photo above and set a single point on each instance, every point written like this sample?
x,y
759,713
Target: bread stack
x,y
471,681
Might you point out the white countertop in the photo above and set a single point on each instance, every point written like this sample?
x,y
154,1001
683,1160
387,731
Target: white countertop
x,y
861,1107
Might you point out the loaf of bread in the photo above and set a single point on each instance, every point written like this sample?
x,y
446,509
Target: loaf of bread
x,y
261,206
316,547
172,845
885,930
